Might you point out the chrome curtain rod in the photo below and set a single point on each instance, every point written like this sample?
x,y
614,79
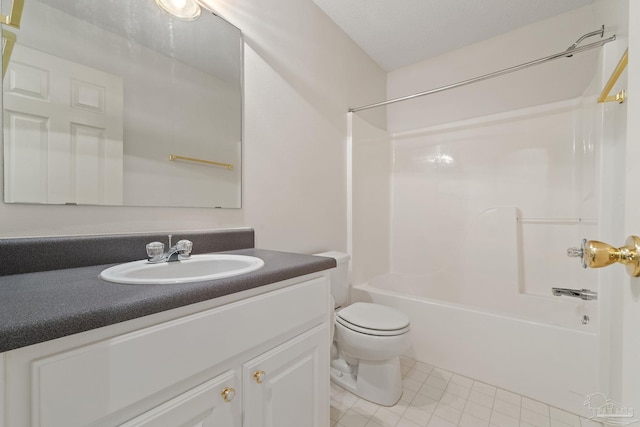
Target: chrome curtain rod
x,y
565,53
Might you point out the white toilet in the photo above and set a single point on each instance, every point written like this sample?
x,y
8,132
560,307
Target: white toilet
x,y
367,342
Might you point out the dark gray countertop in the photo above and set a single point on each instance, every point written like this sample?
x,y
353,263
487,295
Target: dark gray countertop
x,y
41,306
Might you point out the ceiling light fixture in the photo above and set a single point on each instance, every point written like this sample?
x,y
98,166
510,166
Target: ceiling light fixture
x,y
183,9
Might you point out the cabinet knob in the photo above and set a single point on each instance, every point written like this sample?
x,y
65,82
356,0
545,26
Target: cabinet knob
x,y
259,376
228,393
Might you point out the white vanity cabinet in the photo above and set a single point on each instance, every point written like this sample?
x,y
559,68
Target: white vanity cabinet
x,y
259,361
210,404
281,387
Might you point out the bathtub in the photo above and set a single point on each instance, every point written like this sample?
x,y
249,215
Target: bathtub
x,y
535,349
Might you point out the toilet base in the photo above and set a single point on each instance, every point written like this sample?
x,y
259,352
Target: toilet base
x,y
379,382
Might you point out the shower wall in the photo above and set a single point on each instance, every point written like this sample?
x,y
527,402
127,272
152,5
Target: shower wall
x,y
513,146
482,211
529,169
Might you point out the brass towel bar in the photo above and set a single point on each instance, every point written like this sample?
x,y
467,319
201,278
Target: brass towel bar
x,y
15,16
12,20
620,96
173,157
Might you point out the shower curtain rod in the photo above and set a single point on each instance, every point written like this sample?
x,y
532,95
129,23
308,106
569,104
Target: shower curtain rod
x,y
565,53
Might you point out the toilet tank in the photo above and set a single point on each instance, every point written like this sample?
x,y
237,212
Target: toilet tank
x,y
339,276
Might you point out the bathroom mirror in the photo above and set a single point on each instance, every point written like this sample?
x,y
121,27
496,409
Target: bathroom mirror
x,y
112,102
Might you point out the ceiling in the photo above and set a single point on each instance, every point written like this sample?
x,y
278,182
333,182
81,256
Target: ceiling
x,y
142,22
397,33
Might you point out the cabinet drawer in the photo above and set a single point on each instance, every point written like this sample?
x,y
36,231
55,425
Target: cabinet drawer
x,y
82,386
205,405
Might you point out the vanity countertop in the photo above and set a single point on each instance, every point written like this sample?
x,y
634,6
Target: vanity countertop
x,y
41,306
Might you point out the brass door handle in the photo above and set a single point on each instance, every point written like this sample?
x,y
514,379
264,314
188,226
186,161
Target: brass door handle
x,y
259,376
595,254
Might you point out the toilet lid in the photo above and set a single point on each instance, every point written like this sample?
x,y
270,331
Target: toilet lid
x,y
373,317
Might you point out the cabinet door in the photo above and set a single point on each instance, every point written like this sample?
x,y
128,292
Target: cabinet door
x,y
212,404
289,385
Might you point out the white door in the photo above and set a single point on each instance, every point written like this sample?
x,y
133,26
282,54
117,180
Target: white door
x,y
289,385
619,294
212,404
631,163
63,131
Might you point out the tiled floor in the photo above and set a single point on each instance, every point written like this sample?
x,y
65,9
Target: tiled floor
x,y
433,397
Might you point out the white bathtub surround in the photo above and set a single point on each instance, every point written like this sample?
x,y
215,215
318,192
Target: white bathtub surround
x,y
483,211
488,188
434,397
553,364
453,187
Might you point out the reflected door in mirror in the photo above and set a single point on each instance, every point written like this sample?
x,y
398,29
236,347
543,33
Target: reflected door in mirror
x,y
63,131
100,93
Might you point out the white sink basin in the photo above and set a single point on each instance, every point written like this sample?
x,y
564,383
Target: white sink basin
x,y
196,269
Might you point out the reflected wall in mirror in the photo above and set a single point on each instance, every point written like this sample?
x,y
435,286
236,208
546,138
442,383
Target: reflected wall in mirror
x,y
98,94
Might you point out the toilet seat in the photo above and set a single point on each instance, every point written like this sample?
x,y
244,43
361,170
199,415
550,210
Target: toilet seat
x,y
373,319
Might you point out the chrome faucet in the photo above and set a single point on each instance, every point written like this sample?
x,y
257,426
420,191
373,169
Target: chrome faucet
x,y
179,252
584,294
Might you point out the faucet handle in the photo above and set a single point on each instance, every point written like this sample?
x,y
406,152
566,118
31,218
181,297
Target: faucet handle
x,y
155,250
185,247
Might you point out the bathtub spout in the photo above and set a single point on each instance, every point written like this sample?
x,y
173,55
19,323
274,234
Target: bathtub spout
x,y
584,294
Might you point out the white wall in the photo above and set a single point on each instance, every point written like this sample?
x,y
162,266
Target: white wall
x,y
486,208
542,84
301,75
371,199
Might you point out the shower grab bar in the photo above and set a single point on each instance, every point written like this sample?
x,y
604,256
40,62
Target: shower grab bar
x,y
562,54
557,221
